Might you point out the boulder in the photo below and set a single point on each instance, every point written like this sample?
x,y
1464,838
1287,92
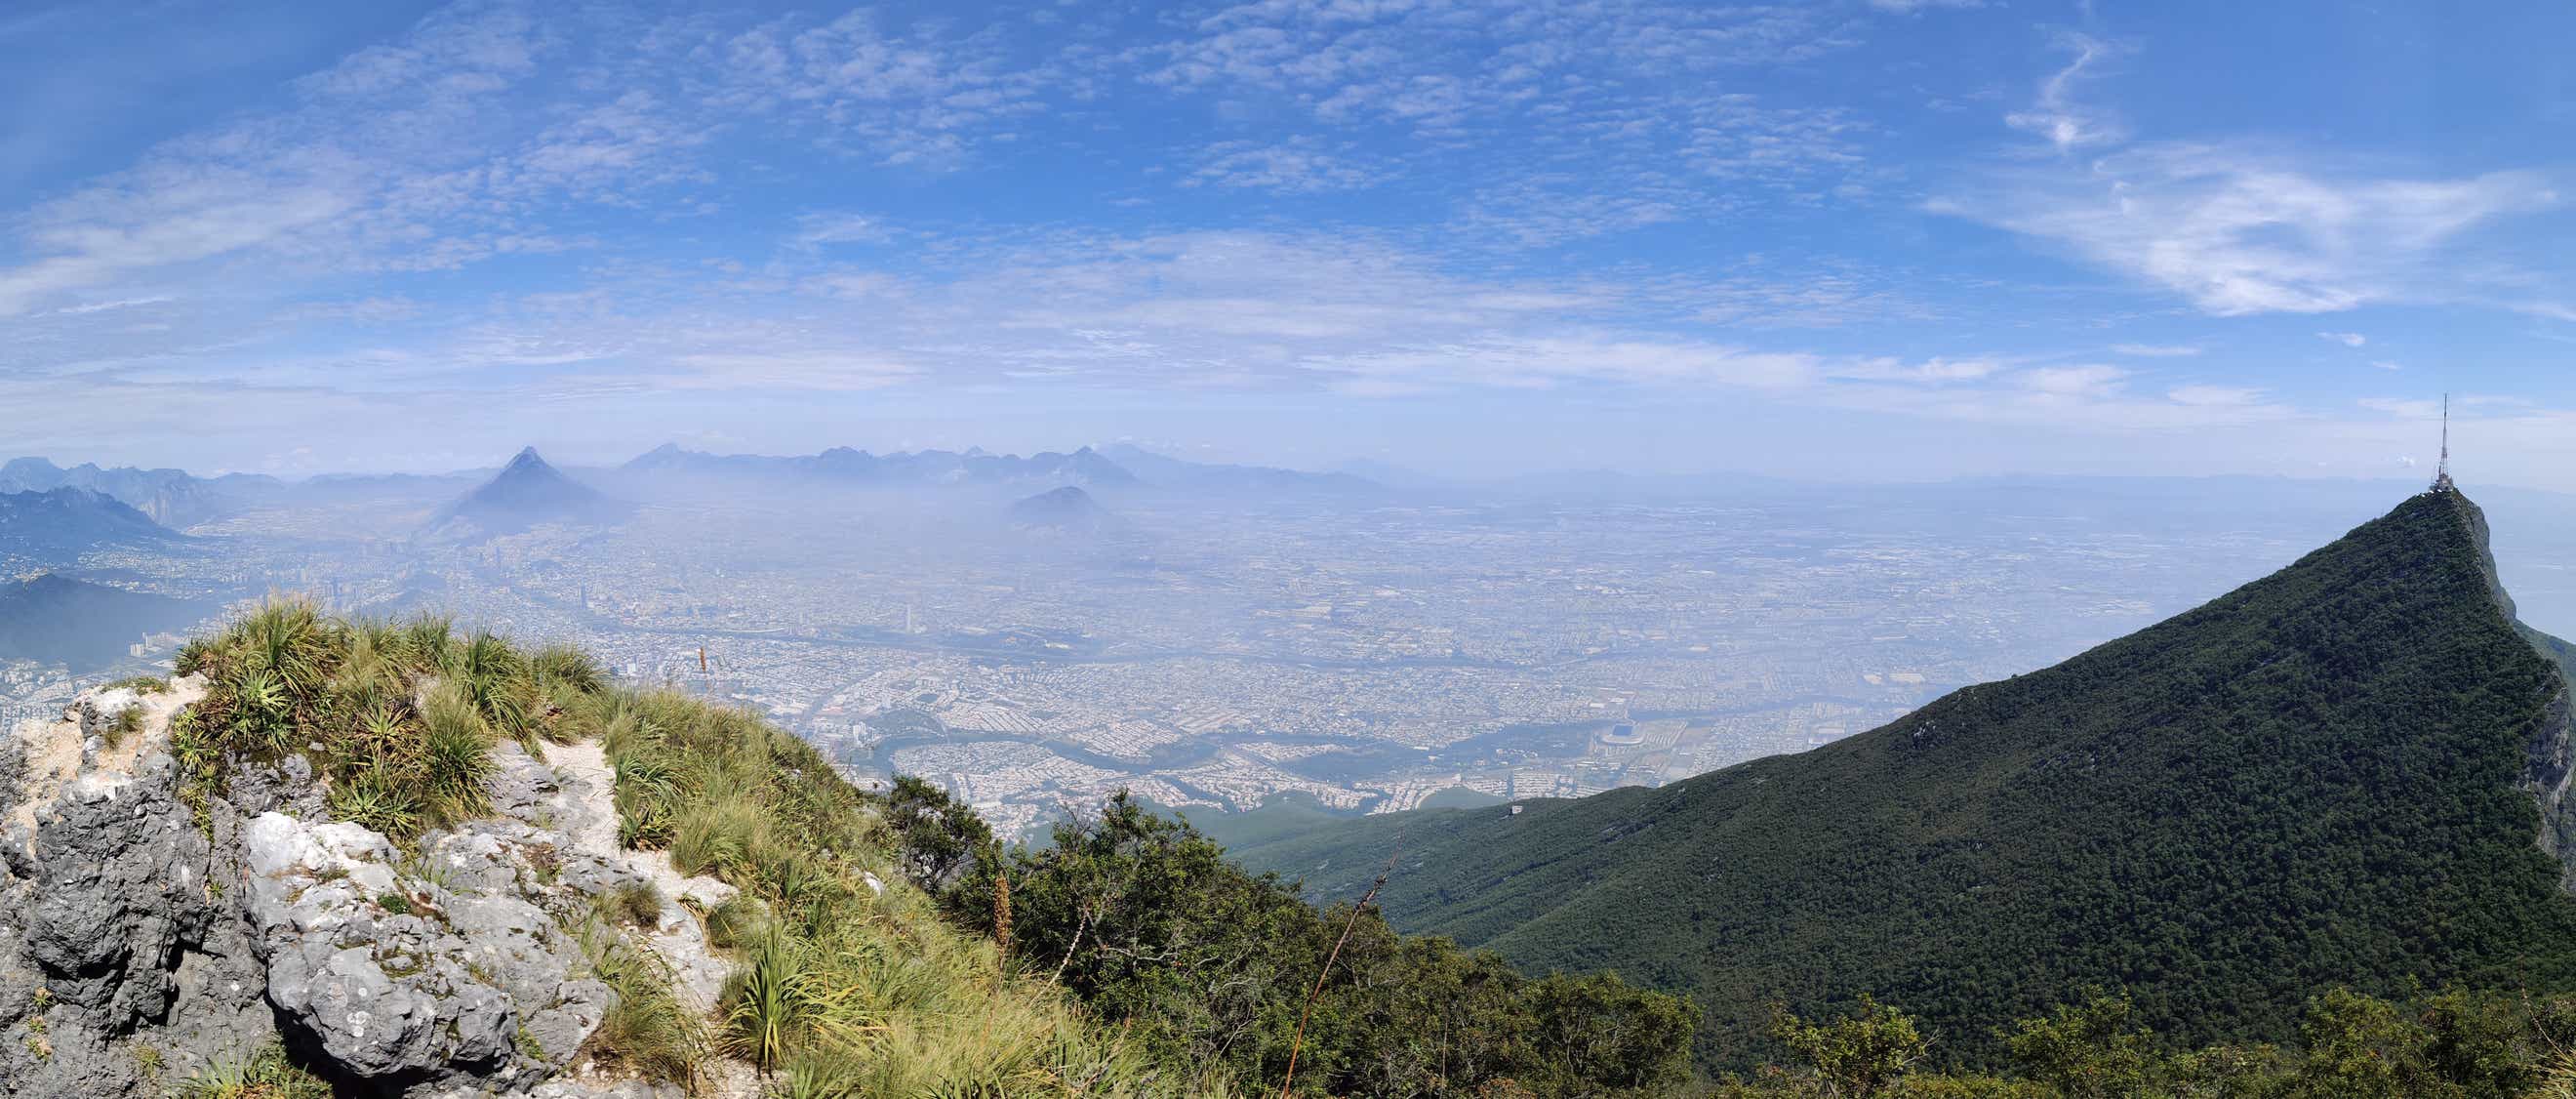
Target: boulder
x,y
119,875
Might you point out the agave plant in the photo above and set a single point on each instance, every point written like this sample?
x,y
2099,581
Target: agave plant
x,y
373,800
288,639
266,1074
263,709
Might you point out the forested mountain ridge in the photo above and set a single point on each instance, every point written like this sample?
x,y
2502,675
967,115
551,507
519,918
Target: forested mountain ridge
x,y
2336,775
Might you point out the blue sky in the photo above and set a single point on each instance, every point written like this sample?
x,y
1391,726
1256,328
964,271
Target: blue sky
x,y
1873,239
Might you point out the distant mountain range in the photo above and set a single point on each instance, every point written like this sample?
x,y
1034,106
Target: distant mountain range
x,y
58,525
1116,466
2354,772
858,467
58,620
528,493
1168,472
170,497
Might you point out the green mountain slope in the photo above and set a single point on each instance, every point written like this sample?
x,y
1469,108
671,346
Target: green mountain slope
x,y
2331,776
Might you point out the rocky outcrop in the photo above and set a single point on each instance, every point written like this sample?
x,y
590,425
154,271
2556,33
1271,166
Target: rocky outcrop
x,y
359,970
142,940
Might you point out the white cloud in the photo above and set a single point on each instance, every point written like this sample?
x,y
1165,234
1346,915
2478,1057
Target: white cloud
x,y
2056,116
2072,381
2238,232
2348,339
1935,371
2221,395
2384,364
1299,166
912,97
813,231
2403,407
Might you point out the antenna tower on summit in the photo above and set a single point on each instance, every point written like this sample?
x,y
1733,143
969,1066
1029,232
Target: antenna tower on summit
x,y
2442,472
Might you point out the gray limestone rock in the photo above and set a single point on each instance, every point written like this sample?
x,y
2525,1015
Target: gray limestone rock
x,y
128,921
353,972
119,876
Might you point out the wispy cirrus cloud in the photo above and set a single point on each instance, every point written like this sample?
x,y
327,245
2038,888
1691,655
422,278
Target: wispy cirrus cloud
x,y
2235,231
2057,115
2237,227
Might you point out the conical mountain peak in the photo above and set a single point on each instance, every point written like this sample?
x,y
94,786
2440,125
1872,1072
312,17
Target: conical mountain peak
x,y
526,493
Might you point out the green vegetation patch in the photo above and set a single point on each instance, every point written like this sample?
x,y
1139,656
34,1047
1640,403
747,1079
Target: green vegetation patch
x,y
1145,921
398,719
267,1074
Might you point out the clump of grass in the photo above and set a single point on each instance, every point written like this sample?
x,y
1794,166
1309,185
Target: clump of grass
x,y
734,921
129,721
717,836
455,753
148,1061
646,1028
140,684
639,903
266,1074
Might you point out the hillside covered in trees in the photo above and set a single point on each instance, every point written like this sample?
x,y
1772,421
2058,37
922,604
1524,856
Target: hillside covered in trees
x,y
2334,776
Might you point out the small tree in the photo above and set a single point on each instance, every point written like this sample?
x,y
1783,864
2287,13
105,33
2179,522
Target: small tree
x,y
1858,1057
941,839
2090,1051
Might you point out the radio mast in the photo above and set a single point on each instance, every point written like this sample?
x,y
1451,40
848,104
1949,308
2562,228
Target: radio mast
x,y
2442,472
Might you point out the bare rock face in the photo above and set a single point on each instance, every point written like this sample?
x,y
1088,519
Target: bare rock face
x,y
118,877
142,941
104,901
353,971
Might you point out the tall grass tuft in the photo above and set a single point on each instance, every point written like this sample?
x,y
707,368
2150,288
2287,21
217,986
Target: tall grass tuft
x,y
455,755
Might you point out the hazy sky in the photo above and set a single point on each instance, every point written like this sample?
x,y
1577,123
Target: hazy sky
x,y
1897,238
